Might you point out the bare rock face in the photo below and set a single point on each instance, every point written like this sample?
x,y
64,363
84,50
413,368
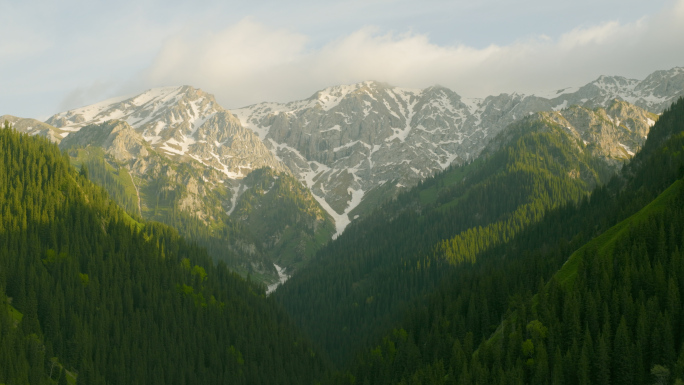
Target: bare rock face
x,y
185,159
116,137
354,146
613,134
347,141
616,132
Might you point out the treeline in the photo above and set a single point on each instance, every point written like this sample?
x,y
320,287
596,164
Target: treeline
x,y
225,240
88,294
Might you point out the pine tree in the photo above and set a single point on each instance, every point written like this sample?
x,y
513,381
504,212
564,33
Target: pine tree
x,y
622,355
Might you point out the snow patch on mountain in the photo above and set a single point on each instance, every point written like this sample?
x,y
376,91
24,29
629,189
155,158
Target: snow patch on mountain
x,y
561,106
344,141
629,151
181,122
282,278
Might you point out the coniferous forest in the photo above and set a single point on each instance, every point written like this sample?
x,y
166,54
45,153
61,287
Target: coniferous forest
x,y
533,264
467,304
91,296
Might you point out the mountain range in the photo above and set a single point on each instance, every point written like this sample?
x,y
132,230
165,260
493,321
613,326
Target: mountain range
x,y
547,251
353,147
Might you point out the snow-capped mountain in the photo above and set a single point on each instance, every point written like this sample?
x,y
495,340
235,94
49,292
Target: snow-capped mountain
x,y
182,159
33,127
345,142
180,121
355,145
612,134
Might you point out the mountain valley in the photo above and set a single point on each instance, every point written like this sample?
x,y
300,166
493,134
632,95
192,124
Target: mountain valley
x,y
368,234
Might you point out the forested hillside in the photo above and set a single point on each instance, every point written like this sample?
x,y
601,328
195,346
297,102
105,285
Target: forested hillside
x,y
361,283
532,264
282,217
591,294
89,295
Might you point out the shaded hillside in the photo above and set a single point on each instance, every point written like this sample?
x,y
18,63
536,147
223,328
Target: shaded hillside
x,y
202,204
279,212
91,294
522,314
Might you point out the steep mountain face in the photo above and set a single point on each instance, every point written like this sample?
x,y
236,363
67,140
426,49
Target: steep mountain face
x,y
355,146
183,159
180,122
423,280
116,137
197,201
118,144
344,142
268,200
613,134
361,282
89,295
592,294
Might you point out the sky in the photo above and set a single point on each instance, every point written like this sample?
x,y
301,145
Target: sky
x,y
59,55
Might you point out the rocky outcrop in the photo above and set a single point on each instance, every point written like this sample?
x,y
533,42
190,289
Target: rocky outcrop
x,y
347,143
613,134
116,137
188,159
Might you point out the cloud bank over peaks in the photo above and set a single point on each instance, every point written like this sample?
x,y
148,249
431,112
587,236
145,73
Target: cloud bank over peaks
x,y
249,62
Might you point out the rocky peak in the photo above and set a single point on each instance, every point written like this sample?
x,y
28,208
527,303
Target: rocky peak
x,y
180,122
663,84
655,93
371,136
612,134
355,145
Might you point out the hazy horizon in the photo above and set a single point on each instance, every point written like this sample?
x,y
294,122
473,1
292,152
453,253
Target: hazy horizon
x,y
56,57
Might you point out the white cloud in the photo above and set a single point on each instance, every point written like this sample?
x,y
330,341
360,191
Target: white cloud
x,y
81,52
226,56
80,96
249,62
